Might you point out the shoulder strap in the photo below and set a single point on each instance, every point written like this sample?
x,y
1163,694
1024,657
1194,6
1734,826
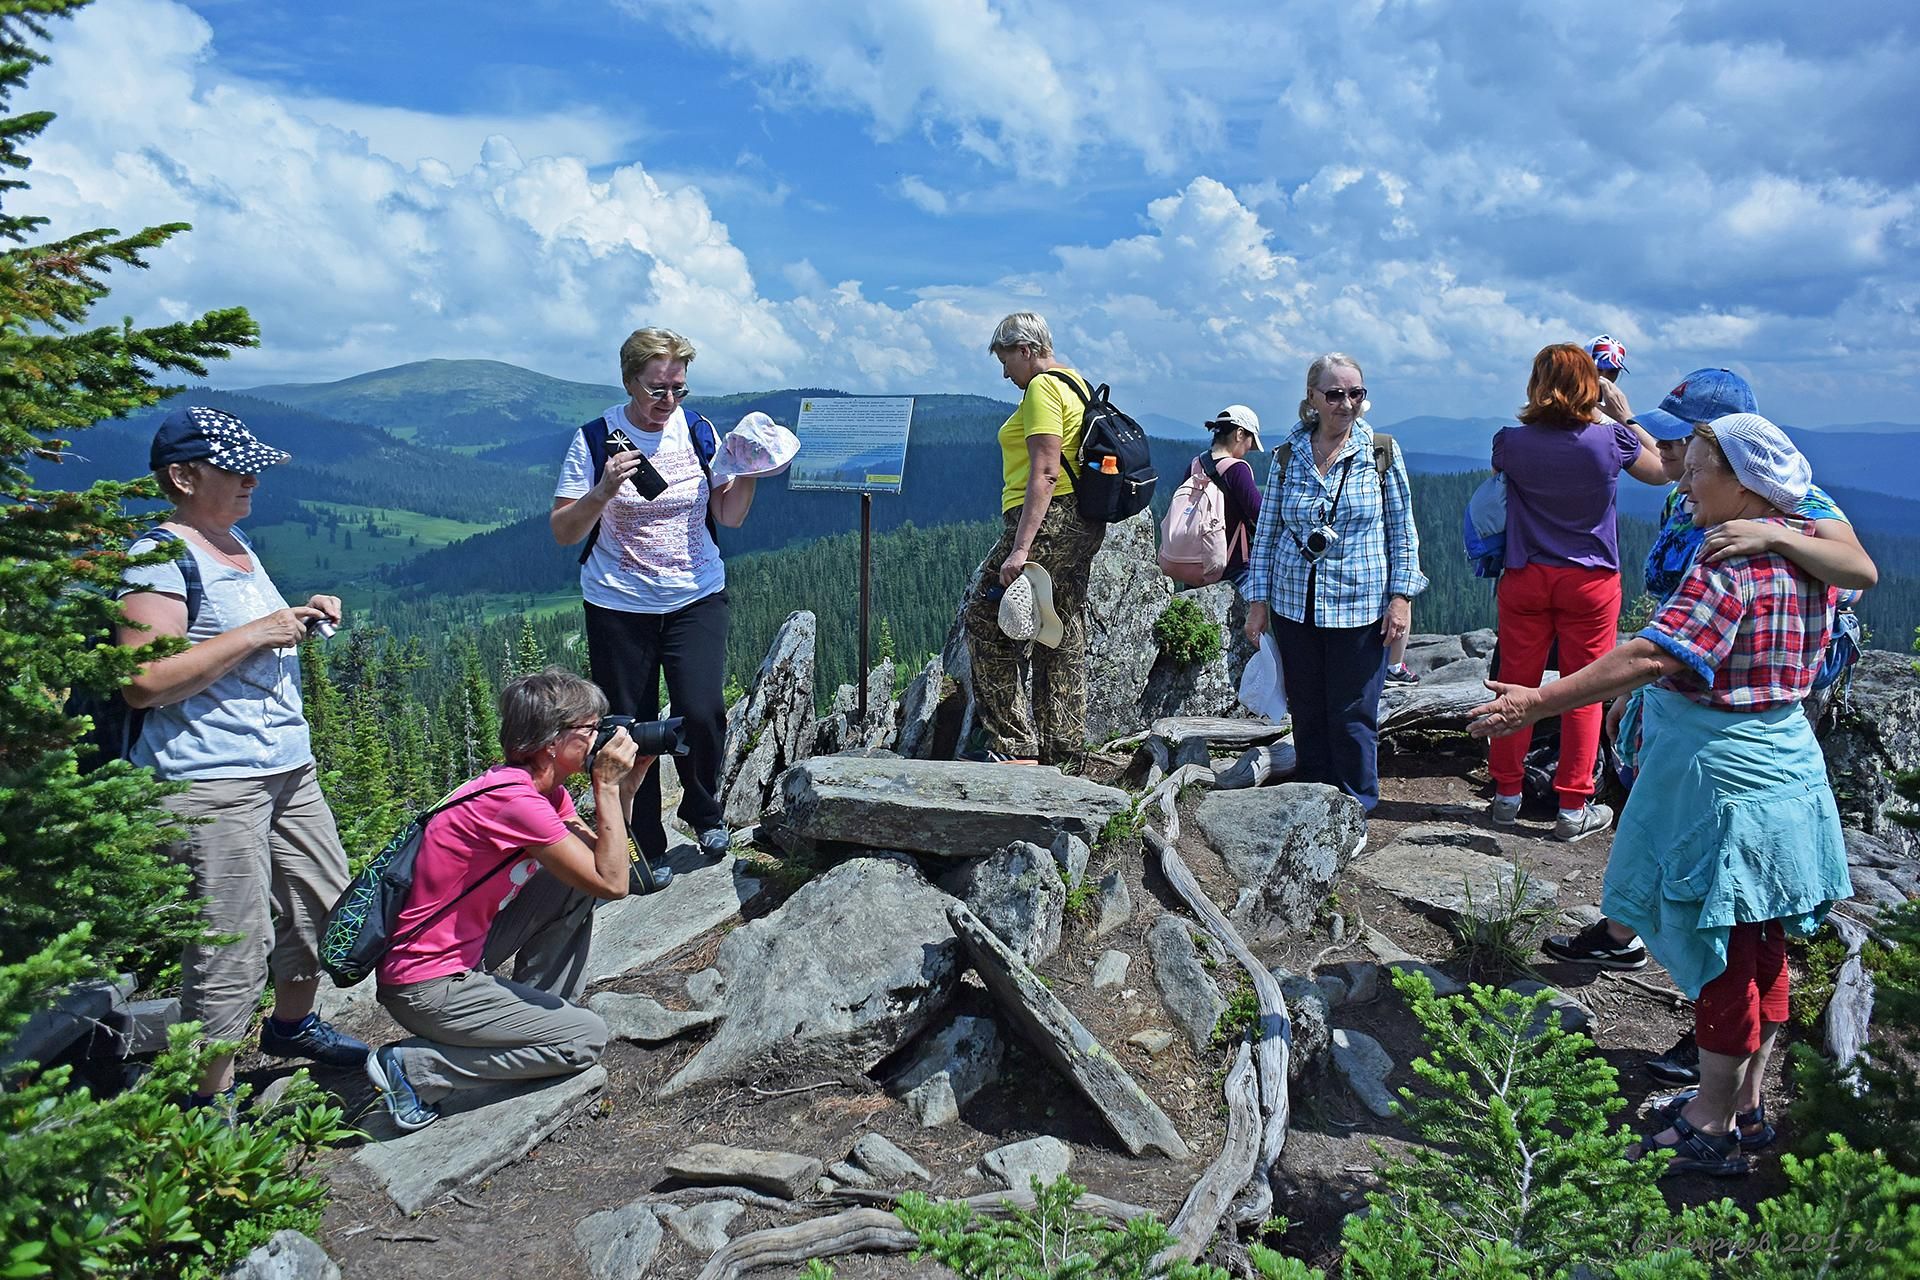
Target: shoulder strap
x,y
512,857
1211,466
189,567
1085,399
1382,453
597,455
1283,458
706,443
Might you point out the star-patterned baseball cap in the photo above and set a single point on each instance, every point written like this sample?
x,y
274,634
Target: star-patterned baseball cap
x,y
195,433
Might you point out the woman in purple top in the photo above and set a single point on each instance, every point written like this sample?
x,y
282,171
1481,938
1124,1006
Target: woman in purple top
x,y
1236,432
1562,580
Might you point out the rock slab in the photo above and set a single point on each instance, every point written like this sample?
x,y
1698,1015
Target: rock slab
x,y
1115,904
288,1255
1284,845
1019,894
851,967
1365,1066
1018,1163
619,1244
1449,872
644,1021
941,808
638,930
887,1162
778,1173
1067,1045
480,1131
703,1227
1111,970
948,1068
1186,987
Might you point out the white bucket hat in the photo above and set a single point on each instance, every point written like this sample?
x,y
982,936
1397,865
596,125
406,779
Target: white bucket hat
x,y
758,446
1026,609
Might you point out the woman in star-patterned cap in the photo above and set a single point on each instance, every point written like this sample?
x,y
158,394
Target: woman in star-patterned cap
x,y
224,716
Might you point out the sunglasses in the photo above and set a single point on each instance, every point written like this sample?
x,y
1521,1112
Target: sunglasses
x,y
663,394
1338,394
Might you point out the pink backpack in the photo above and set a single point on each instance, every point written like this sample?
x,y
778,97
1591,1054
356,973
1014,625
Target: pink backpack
x,y
1193,535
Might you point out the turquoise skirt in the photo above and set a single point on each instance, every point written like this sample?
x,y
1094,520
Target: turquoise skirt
x,y
1730,821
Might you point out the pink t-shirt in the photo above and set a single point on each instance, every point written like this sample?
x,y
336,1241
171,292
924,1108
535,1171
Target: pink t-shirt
x,y
461,846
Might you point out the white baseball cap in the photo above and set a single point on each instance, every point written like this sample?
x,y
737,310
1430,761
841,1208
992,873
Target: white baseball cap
x,y
1238,415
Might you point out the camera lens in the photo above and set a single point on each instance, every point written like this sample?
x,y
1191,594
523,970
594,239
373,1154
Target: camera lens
x,y
322,628
653,737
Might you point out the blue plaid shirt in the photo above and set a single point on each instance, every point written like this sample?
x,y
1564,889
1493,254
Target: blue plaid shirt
x,y
1375,556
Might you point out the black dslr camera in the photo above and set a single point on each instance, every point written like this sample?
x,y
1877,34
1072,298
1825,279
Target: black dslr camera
x,y
653,737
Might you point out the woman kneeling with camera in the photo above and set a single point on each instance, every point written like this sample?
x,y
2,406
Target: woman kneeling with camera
x,y
508,869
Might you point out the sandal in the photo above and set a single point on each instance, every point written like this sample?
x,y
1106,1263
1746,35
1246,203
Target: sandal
x,y
1755,1132
1697,1152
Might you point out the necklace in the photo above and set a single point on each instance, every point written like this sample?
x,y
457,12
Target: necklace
x,y
1323,455
239,560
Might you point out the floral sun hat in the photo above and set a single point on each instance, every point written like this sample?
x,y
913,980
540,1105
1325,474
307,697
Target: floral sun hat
x,y
758,446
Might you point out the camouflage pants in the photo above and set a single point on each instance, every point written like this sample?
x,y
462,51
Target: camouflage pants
x,y
1064,547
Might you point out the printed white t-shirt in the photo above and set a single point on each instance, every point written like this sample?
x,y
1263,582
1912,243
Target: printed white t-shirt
x,y
651,557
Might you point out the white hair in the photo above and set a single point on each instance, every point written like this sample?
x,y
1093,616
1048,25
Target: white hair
x,y
1022,329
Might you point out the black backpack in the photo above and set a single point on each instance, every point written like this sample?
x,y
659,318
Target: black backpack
x,y
359,929
706,443
1105,495
116,725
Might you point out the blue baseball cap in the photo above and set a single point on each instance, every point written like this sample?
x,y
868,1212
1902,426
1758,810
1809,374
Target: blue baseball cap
x,y
1662,425
1706,394
195,433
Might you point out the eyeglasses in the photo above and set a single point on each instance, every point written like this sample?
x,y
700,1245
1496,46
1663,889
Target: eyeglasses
x,y
1335,395
588,725
663,394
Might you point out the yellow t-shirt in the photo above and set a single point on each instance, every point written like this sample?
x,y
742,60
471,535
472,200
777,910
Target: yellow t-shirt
x,y
1047,409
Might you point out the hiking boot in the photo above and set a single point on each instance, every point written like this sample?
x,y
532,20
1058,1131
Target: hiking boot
x,y
1591,821
1402,674
715,842
391,1084
1594,945
313,1040
1678,1065
1752,1126
1504,811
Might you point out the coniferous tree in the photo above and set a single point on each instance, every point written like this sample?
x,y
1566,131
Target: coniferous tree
x,y
533,656
93,1186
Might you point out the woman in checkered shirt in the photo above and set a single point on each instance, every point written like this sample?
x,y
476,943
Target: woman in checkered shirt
x,y
1732,839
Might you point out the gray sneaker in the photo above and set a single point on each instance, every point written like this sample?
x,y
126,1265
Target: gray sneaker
x,y
1504,810
1593,819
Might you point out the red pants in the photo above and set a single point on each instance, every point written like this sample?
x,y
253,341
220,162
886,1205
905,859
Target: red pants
x,y
1540,603
1728,1015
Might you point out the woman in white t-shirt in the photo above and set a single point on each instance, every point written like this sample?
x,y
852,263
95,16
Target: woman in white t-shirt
x,y
654,587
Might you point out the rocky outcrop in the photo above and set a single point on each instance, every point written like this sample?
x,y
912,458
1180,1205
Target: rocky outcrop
x,y
920,711
840,729
1882,876
1874,733
1205,688
951,809
1284,845
846,971
773,727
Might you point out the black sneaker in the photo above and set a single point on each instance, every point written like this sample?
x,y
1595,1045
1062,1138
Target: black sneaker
x,y
1678,1065
313,1040
1594,945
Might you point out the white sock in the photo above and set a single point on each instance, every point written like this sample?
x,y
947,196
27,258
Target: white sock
x,y
1573,815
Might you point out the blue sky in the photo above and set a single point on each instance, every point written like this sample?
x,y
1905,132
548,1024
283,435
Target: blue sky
x,y
850,193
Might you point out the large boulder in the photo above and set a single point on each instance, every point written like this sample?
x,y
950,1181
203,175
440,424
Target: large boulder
x,y
846,971
1018,893
1125,593
920,710
1874,734
1284,845
773,727
945,808
1202,688
841,730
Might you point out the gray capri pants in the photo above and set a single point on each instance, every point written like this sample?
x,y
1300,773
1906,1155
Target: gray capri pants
x,y
268,865
472,1029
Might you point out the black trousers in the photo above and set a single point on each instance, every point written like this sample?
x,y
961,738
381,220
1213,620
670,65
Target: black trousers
x,y
627,652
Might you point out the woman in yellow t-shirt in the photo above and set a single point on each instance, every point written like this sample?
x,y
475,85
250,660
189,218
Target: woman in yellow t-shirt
x,y
1042,526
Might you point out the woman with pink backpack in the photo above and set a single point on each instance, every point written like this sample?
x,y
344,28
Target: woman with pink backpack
x,y
1208,528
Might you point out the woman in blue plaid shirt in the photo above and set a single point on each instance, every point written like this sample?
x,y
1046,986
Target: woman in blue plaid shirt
x,y
1335,567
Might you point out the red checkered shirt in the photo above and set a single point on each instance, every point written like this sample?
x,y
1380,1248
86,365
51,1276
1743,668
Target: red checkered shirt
x,y
1751,630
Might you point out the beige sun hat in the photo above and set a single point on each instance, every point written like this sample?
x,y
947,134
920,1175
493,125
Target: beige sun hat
x,y
1026,609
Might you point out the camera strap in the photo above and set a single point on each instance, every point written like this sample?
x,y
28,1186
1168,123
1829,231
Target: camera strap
x,y
1334,510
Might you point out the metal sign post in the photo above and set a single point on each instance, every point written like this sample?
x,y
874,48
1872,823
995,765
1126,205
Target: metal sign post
x,y
856,443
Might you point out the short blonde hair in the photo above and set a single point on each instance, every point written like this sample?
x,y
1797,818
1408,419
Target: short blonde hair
x,y
1309,415
643,345
1022,329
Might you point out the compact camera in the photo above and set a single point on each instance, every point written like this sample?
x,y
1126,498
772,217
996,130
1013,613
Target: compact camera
x,y
653,737
321,629
1318,542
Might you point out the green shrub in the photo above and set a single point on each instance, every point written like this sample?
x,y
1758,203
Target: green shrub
x,y
1185,634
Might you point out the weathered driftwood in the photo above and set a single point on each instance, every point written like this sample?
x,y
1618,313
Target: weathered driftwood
x,y
1177,741
870,1230
1257,766
1850,1009
740,1195
1210,1198
1275,1045
1166,796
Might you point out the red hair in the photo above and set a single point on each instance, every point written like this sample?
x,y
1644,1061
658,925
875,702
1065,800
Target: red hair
x,y
1564,388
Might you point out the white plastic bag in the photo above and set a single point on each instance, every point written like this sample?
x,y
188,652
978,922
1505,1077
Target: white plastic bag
x,y
1261,689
